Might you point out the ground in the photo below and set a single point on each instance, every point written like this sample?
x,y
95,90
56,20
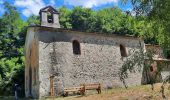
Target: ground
x,y
143,92
134,93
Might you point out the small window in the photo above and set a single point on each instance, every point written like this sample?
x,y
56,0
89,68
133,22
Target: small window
x,y
50,17
168,54
151,68
76,47
123,51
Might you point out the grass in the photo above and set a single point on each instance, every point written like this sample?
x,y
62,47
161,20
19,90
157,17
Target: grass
x,y
143,92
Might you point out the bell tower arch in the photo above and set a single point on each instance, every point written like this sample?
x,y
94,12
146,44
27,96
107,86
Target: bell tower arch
x,y
49,17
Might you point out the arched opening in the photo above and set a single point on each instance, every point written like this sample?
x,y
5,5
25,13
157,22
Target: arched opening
x,y
123,51
76,47
50,17
151,68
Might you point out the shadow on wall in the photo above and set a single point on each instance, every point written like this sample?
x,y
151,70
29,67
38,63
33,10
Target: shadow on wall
x,y
49,37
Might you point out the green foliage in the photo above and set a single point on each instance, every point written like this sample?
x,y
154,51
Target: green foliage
x,y
111,20
157,15
138,61
108,21
12,37
33,20
81,18
65,18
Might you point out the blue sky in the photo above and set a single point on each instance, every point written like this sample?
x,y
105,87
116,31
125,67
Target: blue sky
x,y
28,7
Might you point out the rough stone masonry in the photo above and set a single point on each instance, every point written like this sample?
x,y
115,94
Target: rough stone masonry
x,y
74,57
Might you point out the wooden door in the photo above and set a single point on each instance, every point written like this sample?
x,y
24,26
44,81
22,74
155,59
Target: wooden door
x,y
51,85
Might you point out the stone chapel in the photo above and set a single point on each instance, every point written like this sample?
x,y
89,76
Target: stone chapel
x,y
64,58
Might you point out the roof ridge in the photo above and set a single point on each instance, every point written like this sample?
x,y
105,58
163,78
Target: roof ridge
x,y
49,6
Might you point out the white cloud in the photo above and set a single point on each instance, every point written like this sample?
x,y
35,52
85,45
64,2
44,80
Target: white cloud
x,y
129,9
2,10
133,13
32,6
1,1
89,3
52,2
27,12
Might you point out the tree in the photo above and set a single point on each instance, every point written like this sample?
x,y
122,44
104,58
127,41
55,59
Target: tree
x,y
156,11
110,20
33,20
81,19
158,15
65,18
12,39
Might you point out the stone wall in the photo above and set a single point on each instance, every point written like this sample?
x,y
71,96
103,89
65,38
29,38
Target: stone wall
x,y
157,50
100,60
165,70
32,64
